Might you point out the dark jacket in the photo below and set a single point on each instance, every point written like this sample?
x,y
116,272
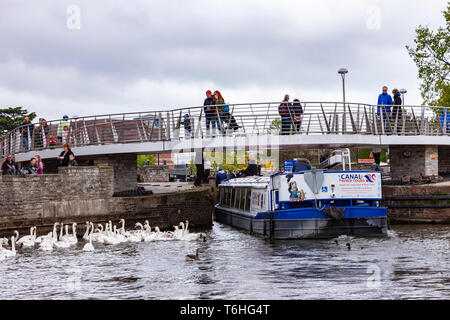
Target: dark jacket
x,y
187,124
221,176
209,104
9,167
33,169
297,109
301,165
25,128
251,170
65,162
285,109
397,108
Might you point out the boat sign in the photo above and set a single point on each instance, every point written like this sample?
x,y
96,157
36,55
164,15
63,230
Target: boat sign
x,y
336,185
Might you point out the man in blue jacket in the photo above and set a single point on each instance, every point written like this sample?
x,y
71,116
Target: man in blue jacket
x,y
221,176
384,106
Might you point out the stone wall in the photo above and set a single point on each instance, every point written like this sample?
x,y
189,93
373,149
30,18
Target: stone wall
x,y
78,194
413,161
124,165
153,173
417,204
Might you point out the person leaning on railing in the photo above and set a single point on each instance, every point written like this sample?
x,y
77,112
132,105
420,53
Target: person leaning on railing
x,y
297,112
64,156
219,103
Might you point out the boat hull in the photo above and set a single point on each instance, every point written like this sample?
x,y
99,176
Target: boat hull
x,y
308,224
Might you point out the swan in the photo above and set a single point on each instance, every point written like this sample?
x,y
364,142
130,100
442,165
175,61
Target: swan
x,y
87,234
194,257
88,246
47,236
4,241
185,235
63,241
12,252
27,238
73,238
47,242
28,241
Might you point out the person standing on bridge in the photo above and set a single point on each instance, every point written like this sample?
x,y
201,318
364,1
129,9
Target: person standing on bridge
x,y
187,126
397,108
63,124
219,102
210,114
445,115
27,131
297,112
384,108
285,110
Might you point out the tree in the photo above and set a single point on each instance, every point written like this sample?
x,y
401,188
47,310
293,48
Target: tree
x,y
11,118
432,57
142,158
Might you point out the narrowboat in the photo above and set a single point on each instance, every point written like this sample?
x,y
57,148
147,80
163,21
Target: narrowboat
x,y
305,205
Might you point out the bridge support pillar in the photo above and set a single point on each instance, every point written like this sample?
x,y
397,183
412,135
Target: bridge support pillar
x,y
414,161
124,165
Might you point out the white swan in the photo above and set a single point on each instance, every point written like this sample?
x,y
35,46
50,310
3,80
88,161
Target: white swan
x,y
185,235
12,252
87,233
63,241
88,246
28,241
47,236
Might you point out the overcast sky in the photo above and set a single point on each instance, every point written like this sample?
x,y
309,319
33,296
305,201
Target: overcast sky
x,y
155,55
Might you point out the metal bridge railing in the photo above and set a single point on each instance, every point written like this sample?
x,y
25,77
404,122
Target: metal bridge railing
x,y
316,118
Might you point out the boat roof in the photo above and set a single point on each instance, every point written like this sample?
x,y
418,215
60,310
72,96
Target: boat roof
x,y
252,182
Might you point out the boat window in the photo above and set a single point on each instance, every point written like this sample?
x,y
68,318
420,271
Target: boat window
x,y
233,196
248,195
238,198
221,192
242,204
261,200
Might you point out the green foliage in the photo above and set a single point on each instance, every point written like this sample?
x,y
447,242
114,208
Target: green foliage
x,y
142,158
11,118
364,153
431,54
275,126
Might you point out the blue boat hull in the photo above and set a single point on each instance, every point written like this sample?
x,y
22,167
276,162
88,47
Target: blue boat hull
x,y
307,223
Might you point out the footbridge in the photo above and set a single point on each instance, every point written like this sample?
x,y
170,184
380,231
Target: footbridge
x,y
416,135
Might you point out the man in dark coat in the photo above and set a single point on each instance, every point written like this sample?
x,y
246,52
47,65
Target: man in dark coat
x,y
285,110
9,166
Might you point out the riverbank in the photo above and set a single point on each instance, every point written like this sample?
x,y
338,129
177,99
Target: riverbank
x,y
418,204
80,194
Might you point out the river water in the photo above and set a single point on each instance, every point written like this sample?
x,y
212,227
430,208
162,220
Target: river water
x,y
411,263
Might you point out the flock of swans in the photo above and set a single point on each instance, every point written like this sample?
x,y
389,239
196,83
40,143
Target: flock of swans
x,y
108,234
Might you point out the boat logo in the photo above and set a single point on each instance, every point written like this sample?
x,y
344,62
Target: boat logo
x,y
356,177
370,177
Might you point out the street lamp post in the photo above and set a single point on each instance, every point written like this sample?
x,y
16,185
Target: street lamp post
x,y
403,91
343,72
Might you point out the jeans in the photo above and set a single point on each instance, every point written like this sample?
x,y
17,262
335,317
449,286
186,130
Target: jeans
x,y
25,144
187,133
285,125
212,122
